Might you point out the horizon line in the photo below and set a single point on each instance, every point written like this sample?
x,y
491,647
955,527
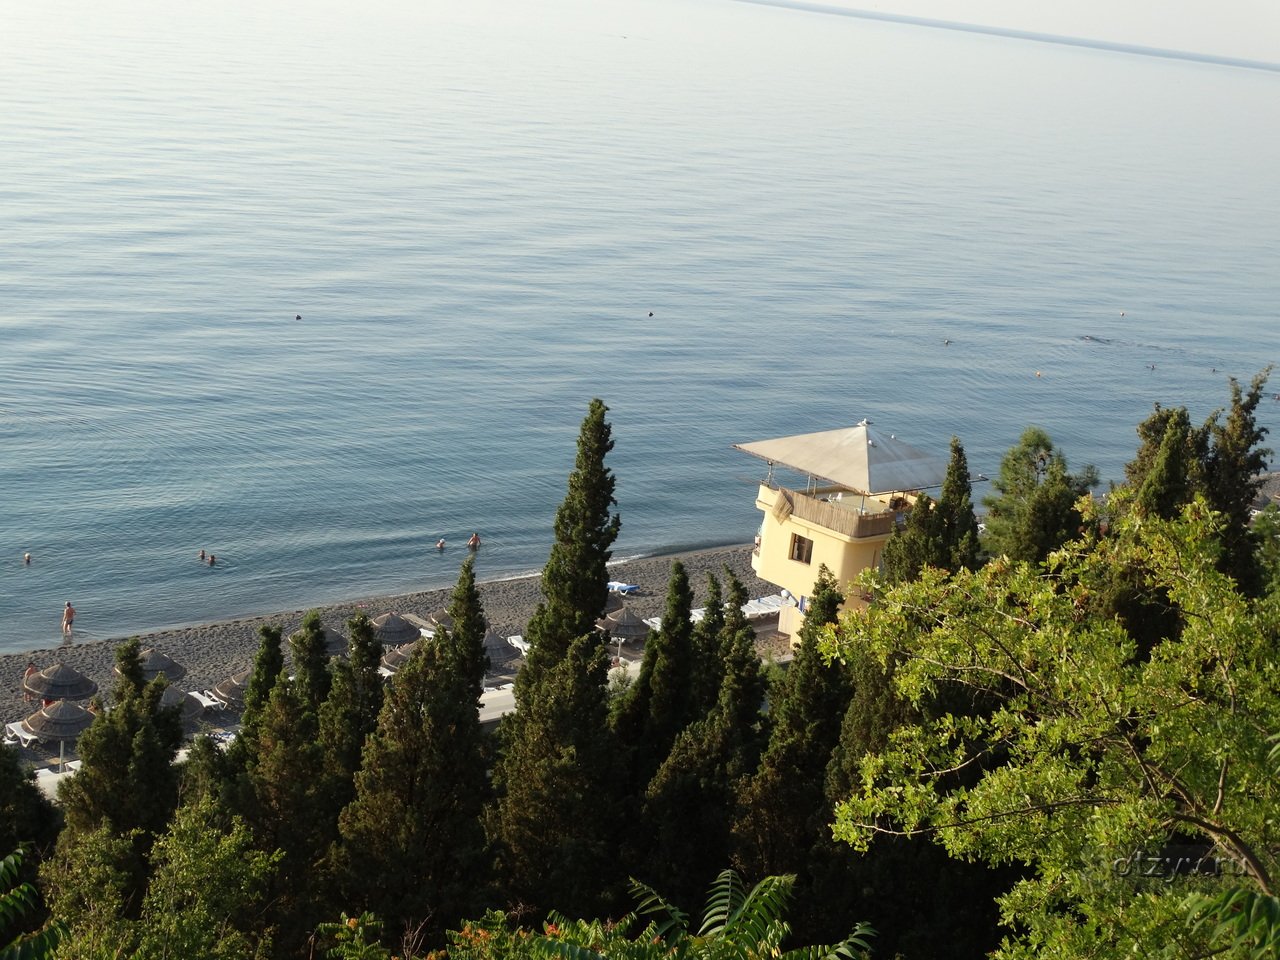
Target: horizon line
x,y
808,6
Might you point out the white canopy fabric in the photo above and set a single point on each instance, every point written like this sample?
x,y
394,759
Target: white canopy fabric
x,y
859,458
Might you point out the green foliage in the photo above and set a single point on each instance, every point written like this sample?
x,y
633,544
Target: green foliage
x,y
415,823
268,666
942,534
1266,532
708,670
26,816
556,816
18,903
1100,754
311,662
784,808
127,781
658,705
354,938
1221,461
350,712
738,924
575,578
1033,511
558,793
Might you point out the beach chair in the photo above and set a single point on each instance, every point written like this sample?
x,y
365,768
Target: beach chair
x,y
16,733
208,702
617,586
222,703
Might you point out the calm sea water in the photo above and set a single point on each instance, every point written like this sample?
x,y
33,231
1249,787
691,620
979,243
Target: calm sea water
x,y
476,205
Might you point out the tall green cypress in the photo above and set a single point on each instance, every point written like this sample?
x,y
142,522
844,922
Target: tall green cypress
x,y
784,807
350,712
708,666
690,803
268,665
311,662
575,578
415,823
957,524
658,705
556,782
1232,479
1033,511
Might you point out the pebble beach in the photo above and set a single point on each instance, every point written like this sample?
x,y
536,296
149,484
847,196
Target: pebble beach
x,y
214,651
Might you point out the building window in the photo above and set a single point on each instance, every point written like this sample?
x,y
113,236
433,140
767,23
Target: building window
x,y
801,548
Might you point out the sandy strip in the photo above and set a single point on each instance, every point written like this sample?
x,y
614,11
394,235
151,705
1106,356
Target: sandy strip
x,y
212,652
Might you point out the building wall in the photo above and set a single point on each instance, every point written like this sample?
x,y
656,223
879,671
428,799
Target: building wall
x,y
845,556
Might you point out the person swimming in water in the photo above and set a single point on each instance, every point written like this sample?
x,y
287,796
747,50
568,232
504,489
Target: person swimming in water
x,y
474,542
440,544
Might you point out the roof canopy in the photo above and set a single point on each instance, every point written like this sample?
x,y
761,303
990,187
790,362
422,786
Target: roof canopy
x,y
859,458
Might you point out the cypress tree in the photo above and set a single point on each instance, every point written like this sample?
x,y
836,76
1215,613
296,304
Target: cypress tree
x,y
1232,478
957,525
127,782
942,533
350,712
311,662
708,667
657,706
557,788
1033,511
268,665
415,822
691,802
784,808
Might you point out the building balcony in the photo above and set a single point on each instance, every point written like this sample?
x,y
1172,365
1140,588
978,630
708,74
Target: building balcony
x,y
844,512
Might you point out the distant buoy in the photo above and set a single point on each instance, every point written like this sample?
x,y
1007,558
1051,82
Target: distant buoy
x,y
1037,373
298,317
651,313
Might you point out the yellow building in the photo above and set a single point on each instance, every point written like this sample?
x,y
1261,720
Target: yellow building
x,y
860,484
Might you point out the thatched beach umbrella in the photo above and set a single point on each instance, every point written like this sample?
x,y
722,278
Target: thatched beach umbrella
x,y
189,707
503,657
622,624
391,630
155,663
396,658
232,689
61,721
60,682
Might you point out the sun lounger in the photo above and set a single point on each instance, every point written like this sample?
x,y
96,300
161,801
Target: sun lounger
x,y
617,586
222,702
208,702
519,642
16,733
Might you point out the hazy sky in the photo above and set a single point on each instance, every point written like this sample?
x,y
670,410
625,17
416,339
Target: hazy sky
x,y
1248,29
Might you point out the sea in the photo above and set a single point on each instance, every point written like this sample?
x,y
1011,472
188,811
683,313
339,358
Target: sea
x,y
311,286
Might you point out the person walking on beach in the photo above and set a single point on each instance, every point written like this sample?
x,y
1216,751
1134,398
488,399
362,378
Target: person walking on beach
x,y
68,618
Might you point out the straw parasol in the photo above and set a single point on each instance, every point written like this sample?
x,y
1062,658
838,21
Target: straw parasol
x,y
188,706
155,663
442,619
61,721
60,682
391,630
503,657
622,624
397,657
232,689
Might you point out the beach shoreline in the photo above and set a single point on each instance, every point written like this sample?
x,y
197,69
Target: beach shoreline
x,y
211,652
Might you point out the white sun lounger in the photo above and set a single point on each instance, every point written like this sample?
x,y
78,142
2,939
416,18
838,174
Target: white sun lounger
x,y
16,733
617,586
207,701
519,642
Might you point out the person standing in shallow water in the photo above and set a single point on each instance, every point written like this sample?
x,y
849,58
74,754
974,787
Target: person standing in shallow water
x,y
474,541
68,618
